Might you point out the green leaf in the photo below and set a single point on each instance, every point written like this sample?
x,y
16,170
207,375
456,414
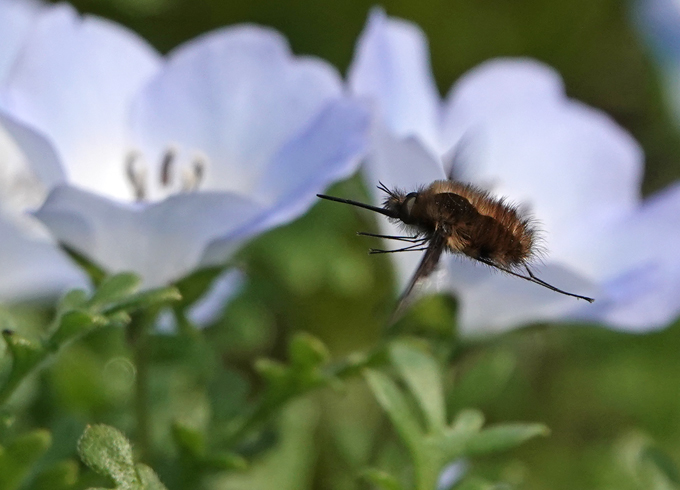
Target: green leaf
x,y
421,373
392,400
73,300
72,324
469,420
17,459
307,351
25,356
143,299
225,461
484,381
503,437
381,479
477,484
114,288
148,478
188,439
108,452
59,476
663,463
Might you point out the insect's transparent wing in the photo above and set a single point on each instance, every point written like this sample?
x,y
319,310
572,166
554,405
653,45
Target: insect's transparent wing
x,y
427,265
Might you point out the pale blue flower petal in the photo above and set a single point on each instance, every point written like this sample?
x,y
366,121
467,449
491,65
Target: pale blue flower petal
x,y
73,83
452,474
232,97
391,67
572,165
16,18
326,150
491,302
207,310
643,281
31,268
161,242
37,149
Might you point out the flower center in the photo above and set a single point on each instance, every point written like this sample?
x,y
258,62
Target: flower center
x,y
173,175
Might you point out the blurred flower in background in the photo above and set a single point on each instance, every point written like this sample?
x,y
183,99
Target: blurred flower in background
x,y
162,165
31,266
508,127
659,24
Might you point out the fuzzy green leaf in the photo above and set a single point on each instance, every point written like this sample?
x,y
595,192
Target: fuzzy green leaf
x,y
108,452
149,479
421,373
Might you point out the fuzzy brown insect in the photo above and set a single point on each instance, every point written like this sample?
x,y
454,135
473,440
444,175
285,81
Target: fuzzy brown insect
x,y
459,218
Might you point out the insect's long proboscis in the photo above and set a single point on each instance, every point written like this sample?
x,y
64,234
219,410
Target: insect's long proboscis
x,y
382,211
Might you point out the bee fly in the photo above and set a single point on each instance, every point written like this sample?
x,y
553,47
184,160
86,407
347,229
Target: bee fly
x,y
462,219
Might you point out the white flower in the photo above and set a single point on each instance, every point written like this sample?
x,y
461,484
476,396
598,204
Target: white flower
x,y
508,127
16,19
160,166
31,266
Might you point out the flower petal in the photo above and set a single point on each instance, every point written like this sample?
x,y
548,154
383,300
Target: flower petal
x,y
16,18
391,66
326,150
572,164
492,302
32,269
234,96
161,242
73,82
643,278
37,149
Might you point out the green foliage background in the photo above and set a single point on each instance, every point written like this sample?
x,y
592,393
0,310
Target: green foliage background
x,y
611,400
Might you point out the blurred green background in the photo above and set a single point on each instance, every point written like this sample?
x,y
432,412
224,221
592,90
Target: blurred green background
x,y
607,397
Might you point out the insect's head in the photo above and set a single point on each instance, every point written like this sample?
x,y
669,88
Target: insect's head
x,y
400,204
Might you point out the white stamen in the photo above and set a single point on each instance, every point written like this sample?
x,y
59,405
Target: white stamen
x,y
192,177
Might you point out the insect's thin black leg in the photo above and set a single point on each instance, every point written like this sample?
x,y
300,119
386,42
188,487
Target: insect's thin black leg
x,y
411,248
553,288
413,239
536,280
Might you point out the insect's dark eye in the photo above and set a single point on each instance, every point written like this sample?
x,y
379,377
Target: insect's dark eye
x,y
409,201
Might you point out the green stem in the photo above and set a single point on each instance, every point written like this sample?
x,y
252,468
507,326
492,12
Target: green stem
x,y
142,396
138,338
